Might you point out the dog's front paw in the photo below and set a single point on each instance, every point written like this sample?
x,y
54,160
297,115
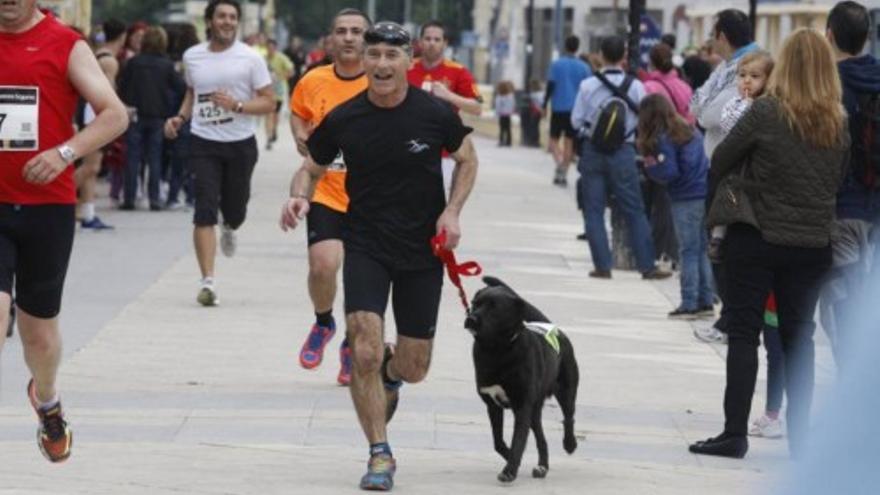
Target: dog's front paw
x,y
540,472
570,444
507,475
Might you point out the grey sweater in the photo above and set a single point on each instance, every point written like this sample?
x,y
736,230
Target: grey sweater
x,y
791,185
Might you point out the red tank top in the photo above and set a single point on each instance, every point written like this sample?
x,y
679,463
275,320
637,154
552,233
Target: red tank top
x,y
37,103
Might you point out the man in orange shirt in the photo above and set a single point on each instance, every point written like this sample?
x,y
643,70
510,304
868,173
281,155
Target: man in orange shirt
x,y
315,95
445,79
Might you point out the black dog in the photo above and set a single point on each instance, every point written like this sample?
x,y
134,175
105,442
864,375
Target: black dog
x,y
518,368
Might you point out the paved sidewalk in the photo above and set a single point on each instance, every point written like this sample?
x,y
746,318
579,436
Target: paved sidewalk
x,y
167,397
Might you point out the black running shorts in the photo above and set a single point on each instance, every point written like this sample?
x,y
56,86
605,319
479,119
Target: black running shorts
x,y
222,179
415,295
35,245
560,124
323,223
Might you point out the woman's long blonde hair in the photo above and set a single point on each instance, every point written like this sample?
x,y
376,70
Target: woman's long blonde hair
x,y
807,85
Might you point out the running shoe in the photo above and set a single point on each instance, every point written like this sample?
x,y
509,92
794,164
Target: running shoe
x,y
707,311
392,387
344,377
683,314
95,224
207,295
766,427
53,436
380,473
710,335
228,242
312,352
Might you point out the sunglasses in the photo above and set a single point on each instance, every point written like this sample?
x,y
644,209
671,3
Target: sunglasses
x,y
387,32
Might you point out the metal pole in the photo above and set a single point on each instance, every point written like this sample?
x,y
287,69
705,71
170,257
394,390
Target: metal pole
x,y
435,9
407,12
530,28
636,9
557,27
371,9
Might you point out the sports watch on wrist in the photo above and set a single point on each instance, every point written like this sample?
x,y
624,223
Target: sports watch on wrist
x,y
239,107
67,153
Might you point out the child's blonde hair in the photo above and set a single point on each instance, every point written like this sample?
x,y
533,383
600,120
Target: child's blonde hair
x,y
755,58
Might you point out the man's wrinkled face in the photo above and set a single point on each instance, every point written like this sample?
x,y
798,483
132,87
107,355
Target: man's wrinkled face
x,y
433,43
348,37
224,23
14,12
386,66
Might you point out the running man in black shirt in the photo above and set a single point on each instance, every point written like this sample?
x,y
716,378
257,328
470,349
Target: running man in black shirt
x,y
392,135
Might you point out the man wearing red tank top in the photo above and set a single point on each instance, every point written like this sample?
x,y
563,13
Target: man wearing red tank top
x,y
45,67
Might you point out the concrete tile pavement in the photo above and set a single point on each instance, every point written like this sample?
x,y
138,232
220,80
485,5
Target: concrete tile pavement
x,y
169,397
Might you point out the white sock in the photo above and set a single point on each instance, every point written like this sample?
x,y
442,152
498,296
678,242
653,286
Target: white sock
x,y
209,281
88,211
48,404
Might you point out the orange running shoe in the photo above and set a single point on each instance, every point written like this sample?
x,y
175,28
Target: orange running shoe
x,y
53,436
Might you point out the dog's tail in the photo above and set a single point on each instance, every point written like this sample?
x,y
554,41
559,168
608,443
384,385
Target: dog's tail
x,y
530,312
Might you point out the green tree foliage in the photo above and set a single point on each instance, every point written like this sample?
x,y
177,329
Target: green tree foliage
x,y
129,10
310,19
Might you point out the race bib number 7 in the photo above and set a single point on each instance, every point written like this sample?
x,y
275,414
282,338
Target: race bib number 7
x,y
206,112
19,118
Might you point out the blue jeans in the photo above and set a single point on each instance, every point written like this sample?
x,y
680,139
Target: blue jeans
x,y
696,272
180,175
618,173
775,368
144,139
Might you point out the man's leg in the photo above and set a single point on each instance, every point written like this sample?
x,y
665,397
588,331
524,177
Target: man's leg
x,y
41,341
624,178
235,190
325,259
205,241
86,177
593,168
5,305
367,392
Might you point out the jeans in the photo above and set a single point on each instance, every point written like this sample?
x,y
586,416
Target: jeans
x,y
180,175
775,369
754,267
618,173
504,130
144,139
696,273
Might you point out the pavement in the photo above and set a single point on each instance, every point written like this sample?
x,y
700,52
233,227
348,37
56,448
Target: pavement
x,y
167,397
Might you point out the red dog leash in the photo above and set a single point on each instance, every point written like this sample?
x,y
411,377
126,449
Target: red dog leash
x,y
453,269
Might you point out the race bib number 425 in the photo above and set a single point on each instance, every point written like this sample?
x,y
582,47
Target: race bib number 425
x,y
19,118
209,113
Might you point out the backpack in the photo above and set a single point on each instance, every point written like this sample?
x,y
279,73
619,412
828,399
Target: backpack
x,y
609,130
866,141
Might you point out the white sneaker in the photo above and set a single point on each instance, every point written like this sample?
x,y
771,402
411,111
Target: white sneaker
x,y
767,427
207,295
228,242
710,335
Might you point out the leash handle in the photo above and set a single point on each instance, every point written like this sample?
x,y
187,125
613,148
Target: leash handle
x,y
453,269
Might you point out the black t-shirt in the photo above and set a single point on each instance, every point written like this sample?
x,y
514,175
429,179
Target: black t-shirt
x,y
394,181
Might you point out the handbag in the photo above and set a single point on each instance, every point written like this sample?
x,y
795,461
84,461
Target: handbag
x,y
731,203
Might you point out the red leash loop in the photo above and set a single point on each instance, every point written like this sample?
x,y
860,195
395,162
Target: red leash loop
x,y
453,269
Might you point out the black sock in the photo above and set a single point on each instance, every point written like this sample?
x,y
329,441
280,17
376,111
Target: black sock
x,y
380,448
325,319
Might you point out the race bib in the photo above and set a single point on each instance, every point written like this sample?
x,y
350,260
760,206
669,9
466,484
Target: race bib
x,y
428,86
208,113
19,118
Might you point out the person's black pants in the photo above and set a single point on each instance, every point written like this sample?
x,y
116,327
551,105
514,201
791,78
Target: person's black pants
x,y
754,267
504,138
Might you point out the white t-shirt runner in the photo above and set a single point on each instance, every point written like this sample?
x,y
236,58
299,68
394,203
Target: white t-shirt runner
x,y
240,71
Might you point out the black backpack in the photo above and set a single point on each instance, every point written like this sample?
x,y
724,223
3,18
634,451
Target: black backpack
x,y
609,130
866,141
